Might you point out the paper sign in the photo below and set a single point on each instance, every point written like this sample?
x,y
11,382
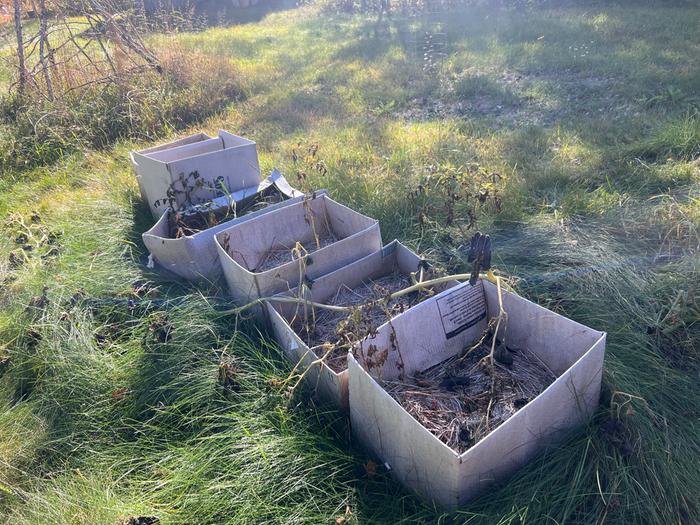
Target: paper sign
x,y
462,308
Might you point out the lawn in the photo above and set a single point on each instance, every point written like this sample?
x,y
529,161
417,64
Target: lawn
x,y
580,127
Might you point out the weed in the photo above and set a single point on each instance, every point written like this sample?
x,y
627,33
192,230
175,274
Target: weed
x,y
445,193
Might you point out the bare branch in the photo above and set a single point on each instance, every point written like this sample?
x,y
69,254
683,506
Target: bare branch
x,y
22,86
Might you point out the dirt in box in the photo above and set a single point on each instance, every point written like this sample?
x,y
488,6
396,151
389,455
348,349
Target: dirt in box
x,y
341,329
278,256
454,399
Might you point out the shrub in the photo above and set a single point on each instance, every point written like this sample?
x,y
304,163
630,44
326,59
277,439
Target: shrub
x,y
142,105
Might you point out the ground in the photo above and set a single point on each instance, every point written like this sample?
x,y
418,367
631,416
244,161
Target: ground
x,y
583,124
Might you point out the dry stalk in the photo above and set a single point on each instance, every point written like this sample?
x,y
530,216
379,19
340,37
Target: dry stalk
x,y
394,340
310,219
276,256
319,361
501,315
287,299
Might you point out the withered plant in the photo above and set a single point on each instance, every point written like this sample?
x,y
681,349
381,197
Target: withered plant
x,y
192,211
455,196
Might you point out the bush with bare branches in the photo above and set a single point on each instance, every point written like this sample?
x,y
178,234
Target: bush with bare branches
x,y
88,80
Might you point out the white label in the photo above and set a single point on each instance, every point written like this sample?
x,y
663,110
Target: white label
x,y
462,308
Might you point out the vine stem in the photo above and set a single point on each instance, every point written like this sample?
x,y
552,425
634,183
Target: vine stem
x,y
348,309
501,314
492,364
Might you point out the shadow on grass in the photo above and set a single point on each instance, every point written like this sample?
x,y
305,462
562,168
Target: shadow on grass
x,y
221,13
142,221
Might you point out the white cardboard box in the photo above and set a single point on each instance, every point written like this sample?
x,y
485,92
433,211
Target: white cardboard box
x,y
244,246
195,256
330,385
441,327
226,161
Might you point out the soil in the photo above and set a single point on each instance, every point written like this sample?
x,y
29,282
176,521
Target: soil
x,y
278,256
197,218
453,399
328,324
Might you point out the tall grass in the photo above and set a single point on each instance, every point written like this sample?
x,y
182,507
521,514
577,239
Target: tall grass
x,y
135,422
92,114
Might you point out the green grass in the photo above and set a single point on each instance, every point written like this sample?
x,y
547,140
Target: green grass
x,y
110,410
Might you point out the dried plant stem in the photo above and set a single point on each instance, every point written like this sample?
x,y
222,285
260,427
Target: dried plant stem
x,y
400,293
297,251
283,299
20,48
492,363
301,377
310,218
44,47
501,315
431,282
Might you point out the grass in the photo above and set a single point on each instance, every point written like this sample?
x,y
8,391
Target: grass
x,y
112,404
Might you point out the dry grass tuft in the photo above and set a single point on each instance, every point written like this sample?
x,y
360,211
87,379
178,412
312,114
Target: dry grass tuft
x,y
455,401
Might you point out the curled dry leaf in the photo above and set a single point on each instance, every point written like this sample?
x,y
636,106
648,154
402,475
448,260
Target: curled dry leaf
x,y
119,393
141,520
344,518
370,468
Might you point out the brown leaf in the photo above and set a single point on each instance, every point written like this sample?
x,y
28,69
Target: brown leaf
x,y
119,393
141,520
370,468
344,518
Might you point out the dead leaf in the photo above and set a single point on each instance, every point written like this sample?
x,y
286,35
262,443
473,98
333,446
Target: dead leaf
x,y
340,520
141,520
119,393
370,468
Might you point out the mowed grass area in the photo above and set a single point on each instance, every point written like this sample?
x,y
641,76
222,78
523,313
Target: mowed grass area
x,y
111,392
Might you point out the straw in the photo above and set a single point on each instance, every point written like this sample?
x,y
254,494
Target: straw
x,y
453,399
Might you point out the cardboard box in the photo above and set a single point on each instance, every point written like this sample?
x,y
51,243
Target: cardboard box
x,y
194,170
195,256
441,327
331,385
245,249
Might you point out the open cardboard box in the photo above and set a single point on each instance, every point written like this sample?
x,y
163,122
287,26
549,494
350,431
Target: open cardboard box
x,y
195,256
441,327
330,384
245,248
224,164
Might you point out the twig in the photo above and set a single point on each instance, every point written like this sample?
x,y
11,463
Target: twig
x,y
318,361
501,315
